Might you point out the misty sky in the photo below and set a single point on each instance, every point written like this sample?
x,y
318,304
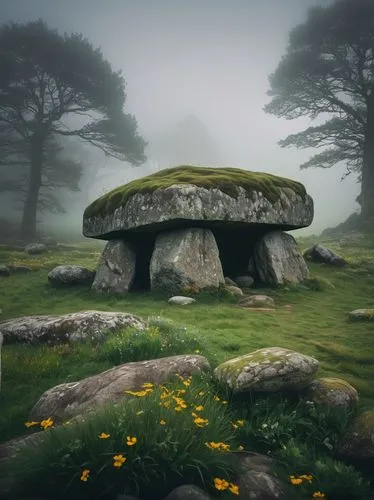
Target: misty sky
x,y
210,58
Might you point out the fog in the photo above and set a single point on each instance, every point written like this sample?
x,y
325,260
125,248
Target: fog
x,y
198,65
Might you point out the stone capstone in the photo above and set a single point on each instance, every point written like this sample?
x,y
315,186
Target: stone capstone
x,y
278,259
71,399
116,269
269,369
67,327
318,253
67,275
185,259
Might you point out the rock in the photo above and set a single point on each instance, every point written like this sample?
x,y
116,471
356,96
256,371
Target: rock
x,y
230,282
49,241
4,271
188,492
318,253
187,258
269,369
68,400
116,270
358,442
244,281
70,275
36,248
67,327
179,300
257,301
278,259
257,480
332,392
234,290
1,344
362,315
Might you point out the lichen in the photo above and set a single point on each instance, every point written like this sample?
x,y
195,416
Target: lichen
x,y
225,179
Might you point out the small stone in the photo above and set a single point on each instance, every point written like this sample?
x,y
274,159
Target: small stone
x,y
362,315
229,281
244,281
318,253
234,290
257,301
35,248
4,271
179,300
188,492
71,275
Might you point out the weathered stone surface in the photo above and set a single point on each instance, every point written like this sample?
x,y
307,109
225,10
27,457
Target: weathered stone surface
x,y
35,248
179,300
257,480
199,194
186,258
359,440
318,253
278,259
116,269
1,344
244,281
230,282
4,271
362,315
234,290
257,301
68,400
269,369
188,492
70,275
67,327
331,391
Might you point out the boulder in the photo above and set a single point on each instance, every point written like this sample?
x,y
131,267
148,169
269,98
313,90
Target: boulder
x,y
179,300
334,392
67,275
188,492
4,271
71,399
198,194
185,259
36,248
244,281
116,269
234,290
362,315
1,344
256,301
67,327
358,442
318,253
278,259
257,479
269,369
229,281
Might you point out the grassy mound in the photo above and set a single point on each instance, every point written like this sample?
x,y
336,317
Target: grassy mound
x,y
225,179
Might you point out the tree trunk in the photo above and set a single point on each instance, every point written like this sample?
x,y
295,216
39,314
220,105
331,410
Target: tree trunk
x,y
28,224
367,182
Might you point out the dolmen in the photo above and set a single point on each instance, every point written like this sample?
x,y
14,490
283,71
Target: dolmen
x,y
185,229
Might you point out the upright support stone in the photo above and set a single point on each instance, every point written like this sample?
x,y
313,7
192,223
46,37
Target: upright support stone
x,y
116,270
185,259
278,259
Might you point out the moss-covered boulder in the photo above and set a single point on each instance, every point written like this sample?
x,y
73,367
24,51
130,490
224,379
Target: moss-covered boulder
x,y
269,369
334,392
223,196
359,440
362,315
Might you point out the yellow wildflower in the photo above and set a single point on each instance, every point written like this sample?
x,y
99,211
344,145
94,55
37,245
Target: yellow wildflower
x,y
234,488
48,422
140,394
119,460
220,484
147,385
178,408
201,422
240,448
31,424
307,477
318,494
295,480
216,398
85,475
224,402
201,393
218,446
103,435
199,408
130,441
187,383
162,422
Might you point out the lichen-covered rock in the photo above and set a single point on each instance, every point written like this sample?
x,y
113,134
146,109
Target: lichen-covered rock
x,y
68,400
234,290
362,315
359,439
278,259
179,300
36,248
186,258
257,480
331,391
269,369
67,327
256,301
244,281
116,269
188,492
318,253
67,275
222,195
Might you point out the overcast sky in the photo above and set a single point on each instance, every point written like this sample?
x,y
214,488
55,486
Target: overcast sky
x,y
210,58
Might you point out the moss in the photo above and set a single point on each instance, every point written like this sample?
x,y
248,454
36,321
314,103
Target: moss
x,y
225,179
235,366
331,383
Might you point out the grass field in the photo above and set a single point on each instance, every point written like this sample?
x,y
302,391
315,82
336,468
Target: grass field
x,y
316,324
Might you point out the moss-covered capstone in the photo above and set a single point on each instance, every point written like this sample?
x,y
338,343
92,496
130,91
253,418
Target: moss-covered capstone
x,y
330,391
269,369
359,440
201,195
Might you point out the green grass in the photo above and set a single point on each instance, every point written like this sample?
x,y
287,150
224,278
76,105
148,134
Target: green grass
x,y
225,179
